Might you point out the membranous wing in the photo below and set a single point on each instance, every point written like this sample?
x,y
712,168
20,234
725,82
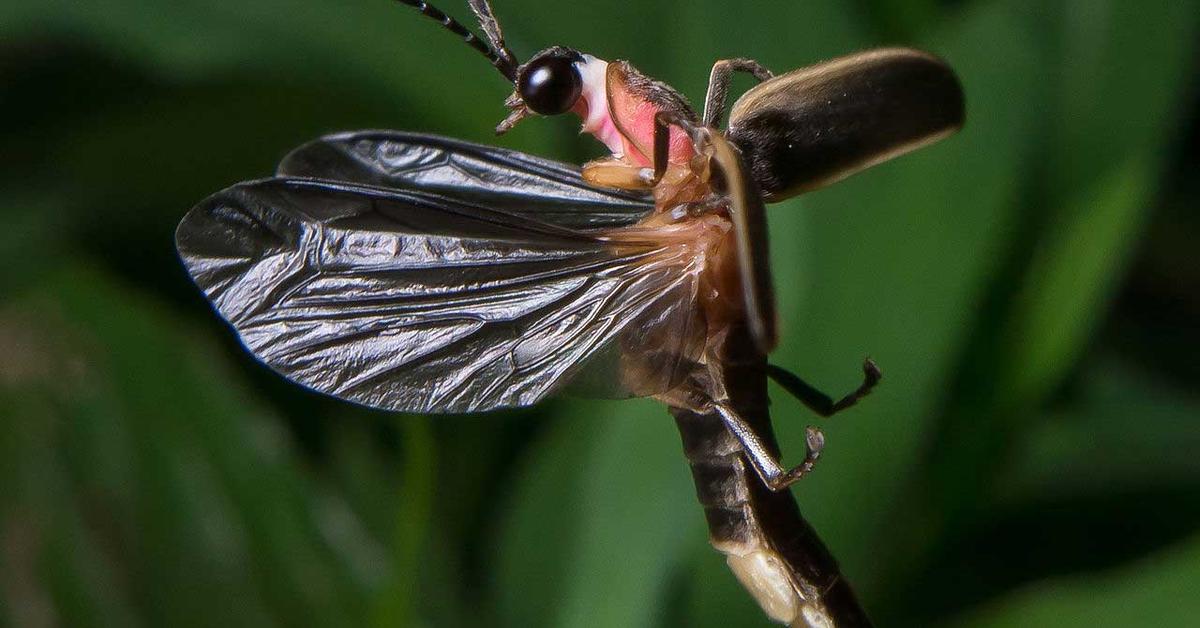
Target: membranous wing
x,y
414,301
488,176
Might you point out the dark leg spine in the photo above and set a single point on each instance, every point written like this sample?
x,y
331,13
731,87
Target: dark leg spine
x,y
761,531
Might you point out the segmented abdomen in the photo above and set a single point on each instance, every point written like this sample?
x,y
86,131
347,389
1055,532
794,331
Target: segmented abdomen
x,y
771,549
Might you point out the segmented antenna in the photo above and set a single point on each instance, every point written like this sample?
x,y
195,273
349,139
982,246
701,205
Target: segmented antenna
x,y
500,57
491,28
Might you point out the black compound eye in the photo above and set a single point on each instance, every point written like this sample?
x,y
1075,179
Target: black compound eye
x,y
550,85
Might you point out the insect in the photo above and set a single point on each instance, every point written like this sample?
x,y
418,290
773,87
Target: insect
x,y
422,274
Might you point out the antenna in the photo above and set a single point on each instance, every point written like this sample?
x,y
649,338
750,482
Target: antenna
x,y
497,53
491,28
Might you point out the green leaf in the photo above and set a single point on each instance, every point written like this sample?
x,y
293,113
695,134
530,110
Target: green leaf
x,y
542,519
1105,135
190,495
1109,90
902,20
1120,82
600,522
395,603
1072,276
33,236
432,81
1095,447
638,513
1157,591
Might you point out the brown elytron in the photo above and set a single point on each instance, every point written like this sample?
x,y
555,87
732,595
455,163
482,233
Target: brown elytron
x,y
421,274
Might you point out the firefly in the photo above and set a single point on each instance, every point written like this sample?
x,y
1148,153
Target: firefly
x,y
416,273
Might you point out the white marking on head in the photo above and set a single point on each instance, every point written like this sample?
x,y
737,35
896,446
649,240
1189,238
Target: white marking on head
x,y
598,119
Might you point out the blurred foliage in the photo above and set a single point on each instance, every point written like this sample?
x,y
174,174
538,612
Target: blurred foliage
x,y
1029,286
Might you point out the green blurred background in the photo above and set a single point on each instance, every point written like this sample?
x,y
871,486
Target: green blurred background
x,y
1030,288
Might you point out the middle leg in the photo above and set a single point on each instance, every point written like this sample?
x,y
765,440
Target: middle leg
x,y
718,85
818,401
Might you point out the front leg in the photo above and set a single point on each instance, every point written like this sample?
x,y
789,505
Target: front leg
x,y
619,173
718,85
612,172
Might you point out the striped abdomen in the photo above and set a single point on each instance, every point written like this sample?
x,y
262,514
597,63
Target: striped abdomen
x,y
771,549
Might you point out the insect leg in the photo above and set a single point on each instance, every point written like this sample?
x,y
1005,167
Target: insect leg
x,y
818,401
663,121
718,85
616,173
764,461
